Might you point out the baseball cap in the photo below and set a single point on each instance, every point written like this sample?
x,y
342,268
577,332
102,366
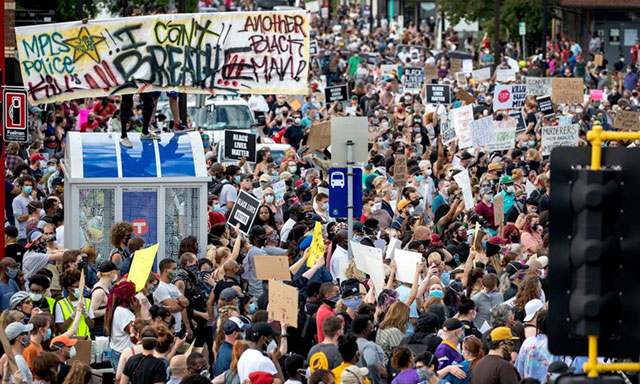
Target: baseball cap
x,y
33,236
402,203
351,291
230,294
501,333
558,368
514,267
466,156
36,157
543,260
16,329
246,176
236,324
107,266
494,167
63,341
263,329
264,177
17,298
452,324
358,226
506,179
531,308
285,175
261,378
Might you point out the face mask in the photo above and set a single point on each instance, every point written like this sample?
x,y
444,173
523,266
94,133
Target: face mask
x,y
37,297
237,179
12,273
393,194
535,226
51,169
72,352
173,274
428,172
385,124
353,304
419,178
412,211
510,189
297,121
151,289
293,169
376,208
216,208
26,341
76,293
48,335
306,197
252,309
268,199
532,143
27,190
81,264
325,206
484,244
435,293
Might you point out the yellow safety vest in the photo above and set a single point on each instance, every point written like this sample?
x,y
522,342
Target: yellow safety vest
x,y
52,305
67,311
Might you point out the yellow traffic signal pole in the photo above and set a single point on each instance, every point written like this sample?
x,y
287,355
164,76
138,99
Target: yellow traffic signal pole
x,y
597,136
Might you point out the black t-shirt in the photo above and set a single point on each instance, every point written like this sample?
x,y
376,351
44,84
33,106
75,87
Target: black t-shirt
x,y
294,133
145,369
493,369
15,251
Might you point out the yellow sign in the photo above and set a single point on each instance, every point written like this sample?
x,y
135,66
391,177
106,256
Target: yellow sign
x,y
141,266
317,246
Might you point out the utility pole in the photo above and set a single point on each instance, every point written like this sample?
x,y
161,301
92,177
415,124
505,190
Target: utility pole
x,y
80,6
496,30
2,168
544,35
182,97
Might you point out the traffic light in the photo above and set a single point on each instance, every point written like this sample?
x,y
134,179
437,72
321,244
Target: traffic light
x,y
594,252
583,379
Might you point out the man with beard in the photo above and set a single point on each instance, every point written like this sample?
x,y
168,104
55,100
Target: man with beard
x,y
255,358
36,256
371,354
496,366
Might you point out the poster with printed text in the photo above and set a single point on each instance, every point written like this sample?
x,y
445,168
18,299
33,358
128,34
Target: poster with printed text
x,y
504,133
208,53
462,118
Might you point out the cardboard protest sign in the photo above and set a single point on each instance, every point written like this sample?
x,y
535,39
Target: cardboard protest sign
x,y
244,212
597,60
456,65
279,189
538,86
498,210
437,93
337,93
481,74
312,6
431,72
369,261
413,79
545,106
461,119
141,266
317,246
406,264
222,53
505,75
374,131
567,90
627,120
272,267
238,145
509,96
400,170
319,135
83,351
559,136
447,131
504,132
482,132
283,303
465,96
463,181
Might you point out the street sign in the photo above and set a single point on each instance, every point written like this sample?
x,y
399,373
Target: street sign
x,y
14,114
338,192
355,129
522,27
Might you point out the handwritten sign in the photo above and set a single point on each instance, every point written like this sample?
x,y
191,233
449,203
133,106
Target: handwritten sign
x,y
272,267
374,131
465,96
482,132
389,70
627,120
461,79
462,118
596,94
317,245
400,170
498,210
481,74
567,90
223,53
283,303
538,86
559,136
430,72
279,189
597,60
456,65
447,131
467,65
141,266
504,133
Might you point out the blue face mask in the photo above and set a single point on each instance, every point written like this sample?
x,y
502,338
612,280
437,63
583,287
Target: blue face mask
x,y
353,304
419,178
325,206
252,309
237,179
205,143
435,293
484,244
51,169
293,169
216,208
393,194
532,143
268,199
48,335
76,293
27,190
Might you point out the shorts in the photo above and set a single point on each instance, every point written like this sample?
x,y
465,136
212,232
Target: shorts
x,y
172,95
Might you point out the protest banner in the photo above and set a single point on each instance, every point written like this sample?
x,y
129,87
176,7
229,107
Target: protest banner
x,y
447,131
463,181
437,93
461,79
279,189
505,75
465,96
456,65
509,96
627,120
545,106
389,70
430,72
244,212
538,86
283,304
481,74
272,267
559,136
519,118
238,145
337,93
317,245
413,79
467,65
498,210
400,170
369,261
596,94
222,53
374,131
504,132
482,132
406,264
141,266
319,135
461,119
567,90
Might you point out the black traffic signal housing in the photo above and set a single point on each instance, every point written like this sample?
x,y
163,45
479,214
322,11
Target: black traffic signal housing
x,y
583,379
594,252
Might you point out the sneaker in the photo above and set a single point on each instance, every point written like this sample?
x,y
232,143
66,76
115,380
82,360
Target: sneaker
x,y
182,127
149,136
125,142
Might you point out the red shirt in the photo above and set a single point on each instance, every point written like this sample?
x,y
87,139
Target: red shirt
x,y
98,109
86,127
483,210
323,312
634,52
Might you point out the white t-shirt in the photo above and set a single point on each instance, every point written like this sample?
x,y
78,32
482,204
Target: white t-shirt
x,y
168,291
24,368
253,360
120,339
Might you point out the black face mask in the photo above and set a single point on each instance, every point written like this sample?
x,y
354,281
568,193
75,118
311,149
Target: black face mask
x,y
288,182
330,303
415,203
39,248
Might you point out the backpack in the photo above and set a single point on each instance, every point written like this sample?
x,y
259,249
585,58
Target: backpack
x,y
214,187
